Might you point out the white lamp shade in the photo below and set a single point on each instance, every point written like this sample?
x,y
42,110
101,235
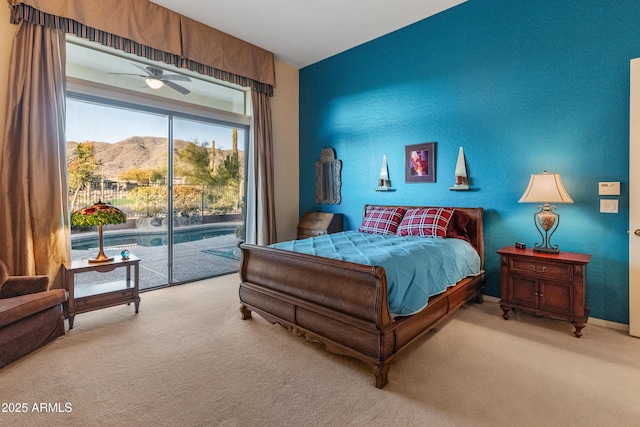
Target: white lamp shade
x,y
545,188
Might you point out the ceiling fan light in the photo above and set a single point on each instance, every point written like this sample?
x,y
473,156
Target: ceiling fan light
x,y
154,83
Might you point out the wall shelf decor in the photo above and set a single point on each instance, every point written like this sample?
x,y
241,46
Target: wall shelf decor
x,y
384,184
461,179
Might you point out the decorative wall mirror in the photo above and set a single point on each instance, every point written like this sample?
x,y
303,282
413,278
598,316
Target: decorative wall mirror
x,y
328,181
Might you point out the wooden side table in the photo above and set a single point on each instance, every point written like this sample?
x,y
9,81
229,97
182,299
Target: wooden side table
x,y
315,224
86,298
546,284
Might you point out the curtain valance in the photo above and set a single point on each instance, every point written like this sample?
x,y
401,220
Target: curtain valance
x,y
146,29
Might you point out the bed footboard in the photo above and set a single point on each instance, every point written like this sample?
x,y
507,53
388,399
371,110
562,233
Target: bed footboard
x,y
340,305
339,301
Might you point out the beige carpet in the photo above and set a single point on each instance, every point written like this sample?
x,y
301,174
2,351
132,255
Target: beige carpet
x,y
188,360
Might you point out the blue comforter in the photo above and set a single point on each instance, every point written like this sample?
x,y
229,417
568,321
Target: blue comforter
x,y
416,267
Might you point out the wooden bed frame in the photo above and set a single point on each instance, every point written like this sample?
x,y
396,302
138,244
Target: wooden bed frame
x,y
342,305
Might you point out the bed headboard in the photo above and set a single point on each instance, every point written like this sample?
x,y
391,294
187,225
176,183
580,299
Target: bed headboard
x,y
474,228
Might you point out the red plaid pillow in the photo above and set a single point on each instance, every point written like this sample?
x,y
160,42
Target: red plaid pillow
x,y
379,220
429,222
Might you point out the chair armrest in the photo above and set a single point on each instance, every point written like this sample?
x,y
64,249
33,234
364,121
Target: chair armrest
x,y
23,285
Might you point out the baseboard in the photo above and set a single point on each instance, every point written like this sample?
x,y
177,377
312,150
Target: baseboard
x,y
491,299
591,321
608,324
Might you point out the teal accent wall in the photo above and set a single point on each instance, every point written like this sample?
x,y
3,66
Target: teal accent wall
x,y
522,86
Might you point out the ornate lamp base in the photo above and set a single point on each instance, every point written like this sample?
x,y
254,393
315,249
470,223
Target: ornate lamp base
x,y
101,257
545,219
546,250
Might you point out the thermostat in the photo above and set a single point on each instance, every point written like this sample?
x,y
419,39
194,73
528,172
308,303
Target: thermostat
x,y
608,206
609,188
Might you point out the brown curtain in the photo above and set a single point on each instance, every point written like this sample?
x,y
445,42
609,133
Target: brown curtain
x,y
242,63
261,221
33,196
185,43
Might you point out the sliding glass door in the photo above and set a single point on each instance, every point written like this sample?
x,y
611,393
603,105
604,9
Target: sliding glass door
x,y
178,178
208,170
118,155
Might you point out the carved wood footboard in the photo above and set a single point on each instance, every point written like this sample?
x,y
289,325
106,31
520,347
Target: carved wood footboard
x,y
342,305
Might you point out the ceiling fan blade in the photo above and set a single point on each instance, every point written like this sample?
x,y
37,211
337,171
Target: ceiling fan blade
x,y
140,67
155,71
129,74
177,87
176,77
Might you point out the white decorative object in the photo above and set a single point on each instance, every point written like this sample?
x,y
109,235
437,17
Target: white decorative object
x,y
384,184
461,180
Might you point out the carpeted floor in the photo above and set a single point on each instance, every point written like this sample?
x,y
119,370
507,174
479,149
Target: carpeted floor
x,y
188,360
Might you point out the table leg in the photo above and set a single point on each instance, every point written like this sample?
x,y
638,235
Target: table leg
x,y
136,285
505,312
69,305
578,329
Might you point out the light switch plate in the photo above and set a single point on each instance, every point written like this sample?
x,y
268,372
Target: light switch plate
x,y
609,188
608,206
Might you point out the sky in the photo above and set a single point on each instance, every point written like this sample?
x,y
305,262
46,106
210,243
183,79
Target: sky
x,y
91,122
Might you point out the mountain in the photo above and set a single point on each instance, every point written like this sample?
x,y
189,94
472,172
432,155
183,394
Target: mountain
x,y
141,152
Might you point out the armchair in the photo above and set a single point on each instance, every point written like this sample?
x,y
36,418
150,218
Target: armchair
x,y
31,315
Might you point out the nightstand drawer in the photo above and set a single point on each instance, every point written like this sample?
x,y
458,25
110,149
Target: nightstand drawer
x,y
106,299
541,268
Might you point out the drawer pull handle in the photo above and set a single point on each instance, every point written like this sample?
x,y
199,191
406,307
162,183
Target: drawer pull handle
x,y
534,268
539,294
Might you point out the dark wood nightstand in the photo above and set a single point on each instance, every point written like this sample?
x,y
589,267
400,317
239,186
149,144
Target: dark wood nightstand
x,y
315,224
545,284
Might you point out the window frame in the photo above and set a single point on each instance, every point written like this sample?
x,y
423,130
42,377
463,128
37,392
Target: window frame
x,y
86,91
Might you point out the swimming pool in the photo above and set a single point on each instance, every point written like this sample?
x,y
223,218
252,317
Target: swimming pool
x,y
149,238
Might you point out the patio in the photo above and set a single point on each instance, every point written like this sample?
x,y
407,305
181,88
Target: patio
x,y
193,260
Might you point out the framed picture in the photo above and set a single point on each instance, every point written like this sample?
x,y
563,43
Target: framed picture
x,y
420,162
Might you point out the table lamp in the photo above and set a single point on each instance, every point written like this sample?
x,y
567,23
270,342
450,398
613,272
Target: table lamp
x,y
98,214
546,188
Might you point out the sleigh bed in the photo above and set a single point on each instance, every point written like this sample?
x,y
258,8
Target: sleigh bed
x,y
344,305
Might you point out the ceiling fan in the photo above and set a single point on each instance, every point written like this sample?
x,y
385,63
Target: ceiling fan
x,y
155,78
